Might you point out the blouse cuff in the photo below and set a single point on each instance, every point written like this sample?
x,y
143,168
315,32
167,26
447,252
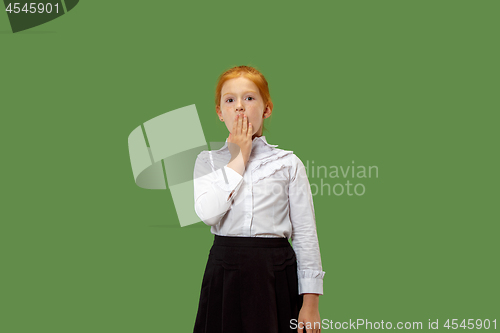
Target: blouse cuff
x,y
310,282
233,179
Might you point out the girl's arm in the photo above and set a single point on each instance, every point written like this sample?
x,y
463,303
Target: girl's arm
x,y
214,189
304,235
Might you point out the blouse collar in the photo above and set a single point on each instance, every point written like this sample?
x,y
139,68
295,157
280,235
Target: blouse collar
x,y
258,141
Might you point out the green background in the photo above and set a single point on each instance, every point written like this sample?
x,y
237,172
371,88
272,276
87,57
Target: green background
x,y
408,86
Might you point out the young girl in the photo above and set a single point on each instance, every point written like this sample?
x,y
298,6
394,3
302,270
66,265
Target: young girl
x,y
255,197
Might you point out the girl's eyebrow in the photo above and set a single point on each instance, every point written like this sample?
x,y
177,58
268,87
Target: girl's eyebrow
x,y
249,91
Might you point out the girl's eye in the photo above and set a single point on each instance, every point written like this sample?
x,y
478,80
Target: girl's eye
x,y
231,99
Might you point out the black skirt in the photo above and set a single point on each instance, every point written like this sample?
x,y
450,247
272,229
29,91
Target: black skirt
x,y
250,285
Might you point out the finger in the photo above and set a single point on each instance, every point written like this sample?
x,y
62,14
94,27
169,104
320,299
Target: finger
x,y
236,125
244,127
235,122
250,129
240,124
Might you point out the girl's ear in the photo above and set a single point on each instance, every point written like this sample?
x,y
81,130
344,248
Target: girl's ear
x,y
267,112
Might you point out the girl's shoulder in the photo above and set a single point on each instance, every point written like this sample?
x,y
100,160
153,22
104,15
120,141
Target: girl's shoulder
x,y
275,163
213,159
287,155
288,159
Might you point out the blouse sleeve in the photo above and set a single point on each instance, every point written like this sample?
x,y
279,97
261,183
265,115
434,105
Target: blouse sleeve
x,y
304,236
214,189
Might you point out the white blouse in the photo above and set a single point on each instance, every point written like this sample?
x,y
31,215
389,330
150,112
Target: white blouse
x,y
272,199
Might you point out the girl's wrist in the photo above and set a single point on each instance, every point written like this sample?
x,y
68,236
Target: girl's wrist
x,y
310,300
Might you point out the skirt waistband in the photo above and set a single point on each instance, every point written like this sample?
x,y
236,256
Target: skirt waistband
x,y
250,241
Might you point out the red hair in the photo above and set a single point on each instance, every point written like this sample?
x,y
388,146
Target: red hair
x,y
253,75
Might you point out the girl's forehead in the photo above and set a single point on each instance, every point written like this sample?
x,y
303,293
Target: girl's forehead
x,y
239,82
